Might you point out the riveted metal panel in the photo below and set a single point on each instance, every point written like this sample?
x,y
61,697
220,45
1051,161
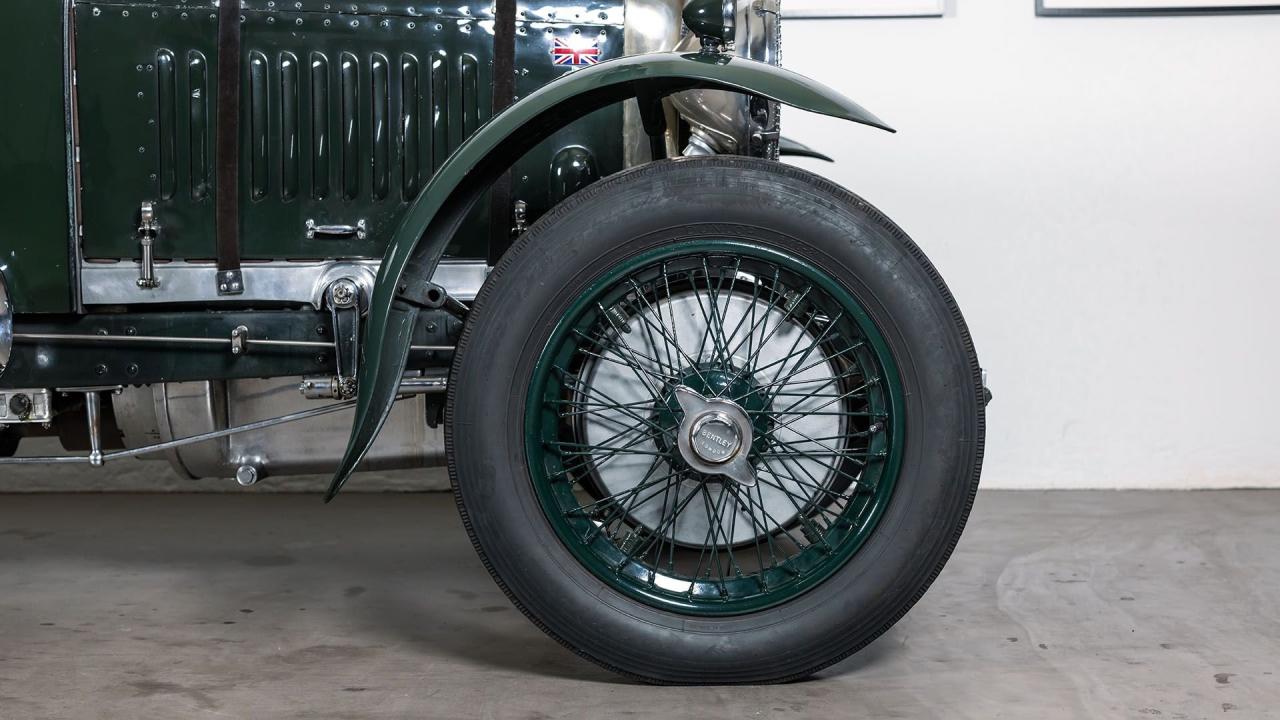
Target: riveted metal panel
x,y
600,133
353,136
120,129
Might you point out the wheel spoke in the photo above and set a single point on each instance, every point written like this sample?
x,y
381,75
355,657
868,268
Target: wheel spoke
x,y
576,384
647,358
640,372
829,403
684,356
835,470
815,364
589,508
812,346
619,360
617,513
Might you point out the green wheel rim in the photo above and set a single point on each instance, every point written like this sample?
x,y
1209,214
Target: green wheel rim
x,y
637,529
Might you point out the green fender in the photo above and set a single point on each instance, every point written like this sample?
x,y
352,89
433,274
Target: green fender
x,y
418,243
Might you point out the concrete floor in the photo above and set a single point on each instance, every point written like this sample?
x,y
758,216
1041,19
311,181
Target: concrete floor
x,y
1055,605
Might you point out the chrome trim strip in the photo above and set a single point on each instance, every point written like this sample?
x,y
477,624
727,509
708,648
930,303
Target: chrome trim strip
x,y
114,283
6,324
70,112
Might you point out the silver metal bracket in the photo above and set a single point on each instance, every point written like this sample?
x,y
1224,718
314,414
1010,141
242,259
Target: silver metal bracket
x,y
345,300
148,231
239,340
22,405
230,282
328,387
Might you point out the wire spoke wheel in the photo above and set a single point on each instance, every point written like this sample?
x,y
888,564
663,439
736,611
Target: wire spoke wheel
x,y
712,429
714,420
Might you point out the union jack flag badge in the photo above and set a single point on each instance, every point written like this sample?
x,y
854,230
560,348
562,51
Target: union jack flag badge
x,y
577,55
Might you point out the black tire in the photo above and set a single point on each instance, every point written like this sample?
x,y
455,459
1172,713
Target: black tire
x,y
762,202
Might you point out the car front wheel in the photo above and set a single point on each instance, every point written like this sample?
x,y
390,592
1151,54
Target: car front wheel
x,y
715,420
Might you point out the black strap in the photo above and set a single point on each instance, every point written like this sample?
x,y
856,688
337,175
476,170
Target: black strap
x,y
504,93
227,150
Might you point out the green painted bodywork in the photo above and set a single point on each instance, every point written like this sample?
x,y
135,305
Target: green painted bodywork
x,y
35,235
426,230
348,110
345,118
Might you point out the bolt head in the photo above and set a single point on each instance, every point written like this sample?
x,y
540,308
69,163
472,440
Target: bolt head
x,y
344,293
20,406
246,475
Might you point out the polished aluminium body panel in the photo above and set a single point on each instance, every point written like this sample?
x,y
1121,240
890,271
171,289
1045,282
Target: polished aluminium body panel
x,y
291,282
652,26
168,411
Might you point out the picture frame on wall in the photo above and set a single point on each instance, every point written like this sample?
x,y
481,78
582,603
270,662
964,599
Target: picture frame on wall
x,y
1088,8
798,9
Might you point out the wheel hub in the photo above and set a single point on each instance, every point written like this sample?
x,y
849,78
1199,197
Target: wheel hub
x,y
714,436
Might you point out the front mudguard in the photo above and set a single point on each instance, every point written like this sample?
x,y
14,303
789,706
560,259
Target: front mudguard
x,y
419,242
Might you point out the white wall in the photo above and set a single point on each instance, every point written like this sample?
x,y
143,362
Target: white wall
x,y
1103,197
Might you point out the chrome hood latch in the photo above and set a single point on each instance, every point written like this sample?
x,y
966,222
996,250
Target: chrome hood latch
x,y
148,231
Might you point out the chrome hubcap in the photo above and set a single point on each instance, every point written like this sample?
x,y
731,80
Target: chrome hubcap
x,y
715,436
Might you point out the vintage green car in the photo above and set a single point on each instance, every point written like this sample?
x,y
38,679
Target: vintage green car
x,y
709,417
